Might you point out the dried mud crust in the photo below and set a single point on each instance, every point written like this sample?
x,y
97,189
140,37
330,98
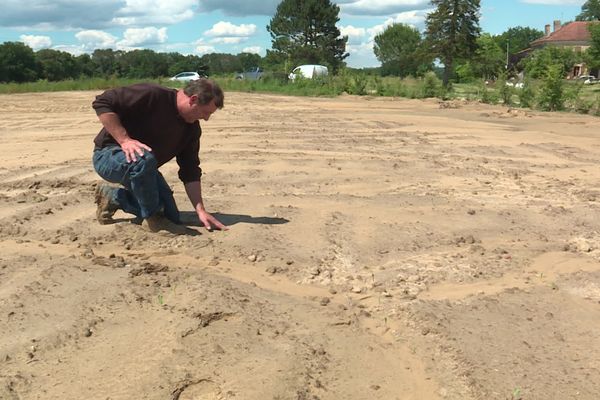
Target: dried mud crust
x,y
378,249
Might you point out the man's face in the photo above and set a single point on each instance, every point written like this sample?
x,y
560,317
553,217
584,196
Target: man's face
x,y
201,111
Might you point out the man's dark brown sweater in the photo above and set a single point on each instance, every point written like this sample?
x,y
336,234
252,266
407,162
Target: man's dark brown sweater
x,y
149,114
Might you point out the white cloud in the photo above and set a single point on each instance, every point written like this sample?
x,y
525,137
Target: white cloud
x,y
227,29
355,35
150,12
252,49
416,19
240,7
229,40
93,14
135,37
94,39
61,14
205,49
36,42
381,7
352,7
74,50
362,55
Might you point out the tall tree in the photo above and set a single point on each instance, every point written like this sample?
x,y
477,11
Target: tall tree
x,y
592,55
452,31
143,63
397,48
57,65
249,60
305,31
590,11
106,62
17,63
489,57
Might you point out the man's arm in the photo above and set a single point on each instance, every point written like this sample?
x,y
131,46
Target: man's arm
x,y
194,192
112,123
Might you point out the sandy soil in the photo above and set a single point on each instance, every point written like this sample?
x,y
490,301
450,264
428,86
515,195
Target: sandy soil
x,y
379,249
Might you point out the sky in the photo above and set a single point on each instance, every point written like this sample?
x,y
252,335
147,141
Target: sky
x,y
233,26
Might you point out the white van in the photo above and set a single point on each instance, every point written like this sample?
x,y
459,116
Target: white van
x,y
308,71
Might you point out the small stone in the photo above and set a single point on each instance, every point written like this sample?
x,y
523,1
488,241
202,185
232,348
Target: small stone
x,y
87,332
325,301
252,257
315,271
471,212
332,291
356,289
375,387
218,349
272,270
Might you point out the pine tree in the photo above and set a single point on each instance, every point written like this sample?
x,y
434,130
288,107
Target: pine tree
x,y
452,31
305,32
590,11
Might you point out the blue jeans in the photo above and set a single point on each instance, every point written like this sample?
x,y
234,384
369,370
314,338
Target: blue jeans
x,y
145,191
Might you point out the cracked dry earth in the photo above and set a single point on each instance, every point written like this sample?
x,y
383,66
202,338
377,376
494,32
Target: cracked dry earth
x,y
379,249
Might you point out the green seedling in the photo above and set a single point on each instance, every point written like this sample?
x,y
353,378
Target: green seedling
x,y
516,394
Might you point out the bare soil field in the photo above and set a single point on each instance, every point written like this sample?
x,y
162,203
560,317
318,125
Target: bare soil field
x,y
378,249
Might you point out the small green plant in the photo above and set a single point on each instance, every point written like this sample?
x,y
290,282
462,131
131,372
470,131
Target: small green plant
x,y
431,85
552,96
527,95
487,96
380,88
595,109
505,90
359,86
516,394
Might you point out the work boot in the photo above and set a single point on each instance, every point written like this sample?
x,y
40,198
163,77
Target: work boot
x,y
106,206
158,222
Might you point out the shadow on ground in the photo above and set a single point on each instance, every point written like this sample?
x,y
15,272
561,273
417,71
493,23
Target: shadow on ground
x,y
191,218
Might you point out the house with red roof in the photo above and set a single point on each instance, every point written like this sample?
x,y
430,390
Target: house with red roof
x,y
574,35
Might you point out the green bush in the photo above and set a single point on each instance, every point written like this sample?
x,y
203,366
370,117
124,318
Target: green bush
x,y
552,96
527,94
486,95
505,91
431,86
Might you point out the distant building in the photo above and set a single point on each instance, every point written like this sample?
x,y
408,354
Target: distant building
x,y
575,35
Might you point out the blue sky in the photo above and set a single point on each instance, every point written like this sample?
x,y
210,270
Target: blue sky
x,y
233,26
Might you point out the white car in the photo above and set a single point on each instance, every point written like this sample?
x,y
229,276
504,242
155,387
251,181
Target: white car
x,y
185,77
309,71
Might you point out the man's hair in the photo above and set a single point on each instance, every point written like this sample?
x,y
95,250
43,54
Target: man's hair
x,y
206,90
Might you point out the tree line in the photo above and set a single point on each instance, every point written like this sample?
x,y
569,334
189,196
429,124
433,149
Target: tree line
x,y
305,32
19,63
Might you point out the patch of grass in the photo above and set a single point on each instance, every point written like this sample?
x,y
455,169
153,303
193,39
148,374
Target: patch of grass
x,y
78,84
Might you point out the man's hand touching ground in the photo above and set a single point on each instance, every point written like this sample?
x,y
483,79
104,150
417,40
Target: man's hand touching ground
x,y
211,222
